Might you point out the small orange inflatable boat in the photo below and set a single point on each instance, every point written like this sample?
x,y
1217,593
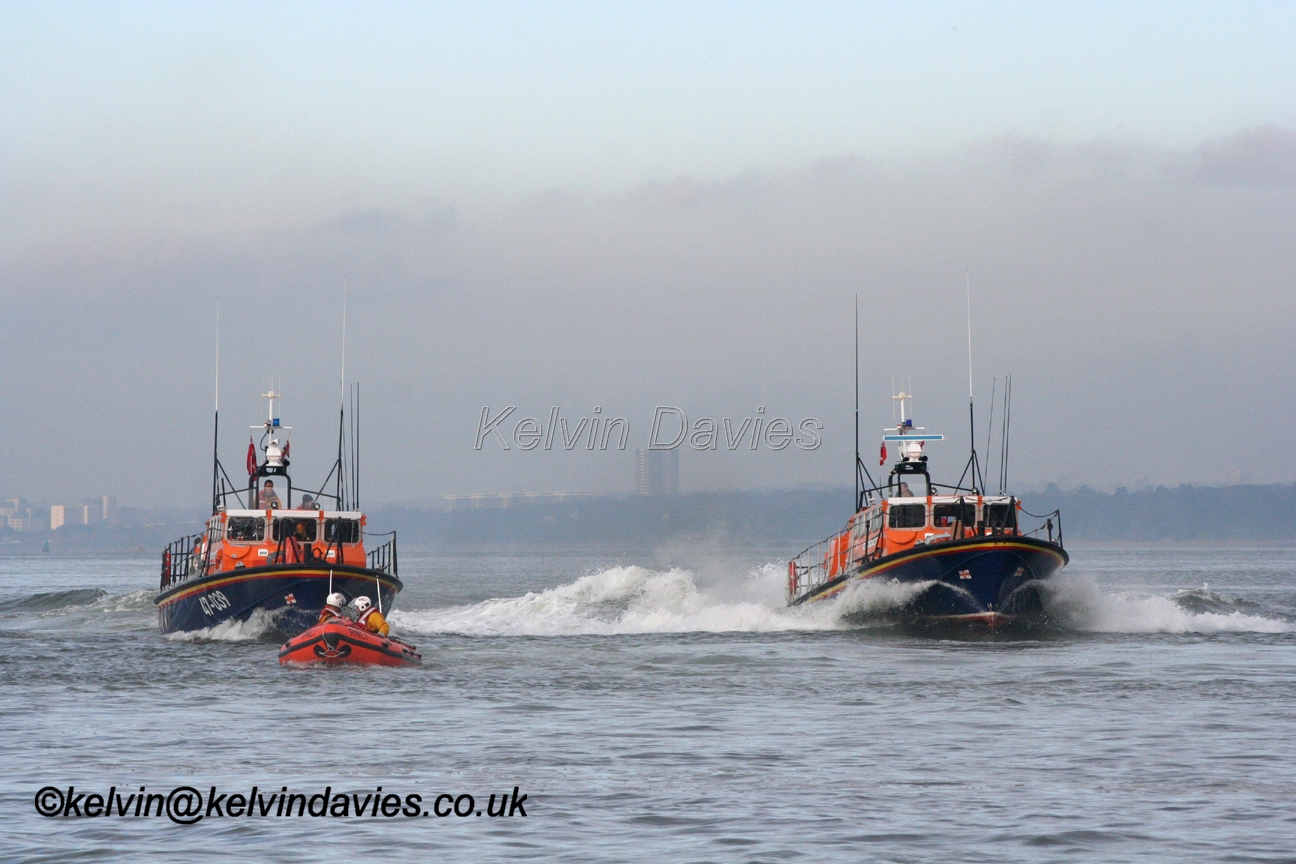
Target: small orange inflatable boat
x,y
340,641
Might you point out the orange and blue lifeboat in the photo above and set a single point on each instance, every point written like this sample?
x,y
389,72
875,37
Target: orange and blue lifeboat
x,y
281,563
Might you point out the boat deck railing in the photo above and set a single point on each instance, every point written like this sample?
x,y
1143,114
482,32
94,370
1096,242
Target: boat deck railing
x,y
826,560
182,559
383,558
1044,530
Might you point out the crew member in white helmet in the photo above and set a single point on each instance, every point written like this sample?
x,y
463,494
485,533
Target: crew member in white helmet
x,y
368,617
332,607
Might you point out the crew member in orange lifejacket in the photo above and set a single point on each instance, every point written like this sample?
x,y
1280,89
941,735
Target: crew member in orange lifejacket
x,y
368,617
332,607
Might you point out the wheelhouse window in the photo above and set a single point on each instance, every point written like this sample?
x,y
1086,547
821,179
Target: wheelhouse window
x,y
342,530
246,529
1001,517
947,515
908,516
301,530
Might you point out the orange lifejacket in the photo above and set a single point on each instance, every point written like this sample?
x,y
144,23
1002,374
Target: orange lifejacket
x,y
329,612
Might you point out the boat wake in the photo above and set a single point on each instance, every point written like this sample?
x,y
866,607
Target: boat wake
x,y
1075,602
630,600
626,600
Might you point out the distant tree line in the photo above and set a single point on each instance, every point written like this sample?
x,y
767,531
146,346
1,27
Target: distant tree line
x,y
799,517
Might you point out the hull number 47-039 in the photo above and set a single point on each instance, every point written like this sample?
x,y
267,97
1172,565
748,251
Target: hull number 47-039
x,y
213,602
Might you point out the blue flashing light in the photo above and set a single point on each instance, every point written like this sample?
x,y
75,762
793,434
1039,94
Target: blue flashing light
x,y
276,421
907,422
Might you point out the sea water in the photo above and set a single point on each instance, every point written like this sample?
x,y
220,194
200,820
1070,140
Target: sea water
x,y
665,706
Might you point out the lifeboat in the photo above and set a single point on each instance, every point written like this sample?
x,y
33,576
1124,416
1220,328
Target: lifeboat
x,y
962,547
277,558
342,642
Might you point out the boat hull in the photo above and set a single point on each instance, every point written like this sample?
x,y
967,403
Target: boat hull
x,y
342,643
987,581
291,595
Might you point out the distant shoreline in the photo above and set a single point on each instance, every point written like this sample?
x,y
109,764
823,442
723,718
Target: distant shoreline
x,y
1232,516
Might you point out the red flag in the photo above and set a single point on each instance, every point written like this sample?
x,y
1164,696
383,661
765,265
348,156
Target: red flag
x,y
882,458
251,459
287,447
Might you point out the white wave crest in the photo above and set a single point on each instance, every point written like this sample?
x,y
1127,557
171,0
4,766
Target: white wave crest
x,y
133,602
1076,602
255,628
624,600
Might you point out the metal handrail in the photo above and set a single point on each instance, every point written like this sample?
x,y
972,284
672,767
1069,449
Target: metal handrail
x,y
1047,526
383,558
182,560
809,569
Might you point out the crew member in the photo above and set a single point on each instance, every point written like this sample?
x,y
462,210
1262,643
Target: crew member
x,y
333,607
269,499
368,617
307,503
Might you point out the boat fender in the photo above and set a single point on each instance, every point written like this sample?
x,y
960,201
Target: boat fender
x,y
792,580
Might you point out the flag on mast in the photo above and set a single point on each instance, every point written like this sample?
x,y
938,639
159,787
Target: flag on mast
x,y
882,458
251,459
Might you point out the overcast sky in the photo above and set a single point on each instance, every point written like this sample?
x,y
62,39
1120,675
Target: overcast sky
x,y
640,205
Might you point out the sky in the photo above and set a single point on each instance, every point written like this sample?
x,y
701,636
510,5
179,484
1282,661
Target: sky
x,y
630,206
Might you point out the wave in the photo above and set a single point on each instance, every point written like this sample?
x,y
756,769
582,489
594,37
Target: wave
x,y
626,600
47,601
262,626
1077,603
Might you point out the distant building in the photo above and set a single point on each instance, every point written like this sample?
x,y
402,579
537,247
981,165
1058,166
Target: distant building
x,y
57,517
17,515
657,472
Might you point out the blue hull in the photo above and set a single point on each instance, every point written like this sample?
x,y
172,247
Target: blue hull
x,y
988,579
291,595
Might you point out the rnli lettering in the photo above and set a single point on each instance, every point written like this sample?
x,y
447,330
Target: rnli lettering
x,y
213,602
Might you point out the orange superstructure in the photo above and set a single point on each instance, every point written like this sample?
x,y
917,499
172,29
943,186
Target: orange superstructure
x,y
237,539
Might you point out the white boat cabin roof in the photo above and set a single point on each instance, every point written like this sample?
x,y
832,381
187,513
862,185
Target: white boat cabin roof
x,y
946,499
281,513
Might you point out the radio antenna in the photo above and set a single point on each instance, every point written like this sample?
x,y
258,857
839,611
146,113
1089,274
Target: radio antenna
x,y
972,458
994,390
1007,439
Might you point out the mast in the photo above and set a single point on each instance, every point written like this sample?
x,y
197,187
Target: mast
x,y
861,470
342,399
859,492
216,422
